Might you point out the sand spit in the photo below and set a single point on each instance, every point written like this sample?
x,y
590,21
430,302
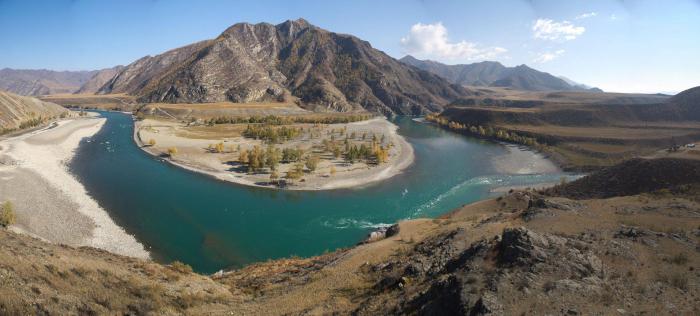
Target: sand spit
x,y
49,201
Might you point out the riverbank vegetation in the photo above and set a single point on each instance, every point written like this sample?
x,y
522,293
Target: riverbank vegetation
x,y
488,132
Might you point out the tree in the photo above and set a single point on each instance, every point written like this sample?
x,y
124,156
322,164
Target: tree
x,y
219,147
336,152
333,171
151,142
7,214
274,177
243,156
172,151
272,157
312,162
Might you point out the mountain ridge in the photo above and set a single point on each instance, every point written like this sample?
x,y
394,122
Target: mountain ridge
x,y
293,61
495,74
35,82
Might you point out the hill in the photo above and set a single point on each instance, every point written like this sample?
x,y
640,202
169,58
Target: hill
x,y
527,252
18,112
494,74
42,82
98,79
688,103
291,61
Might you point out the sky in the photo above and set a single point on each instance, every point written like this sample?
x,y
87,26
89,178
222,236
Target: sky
x,y
618,45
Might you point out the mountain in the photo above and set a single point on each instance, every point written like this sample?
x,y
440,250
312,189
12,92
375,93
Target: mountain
x,y
19,111
294,62
99,79
525,78
490,73
580,85
41,82
476,74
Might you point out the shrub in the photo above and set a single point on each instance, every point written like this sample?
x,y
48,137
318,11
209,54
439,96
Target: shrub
x,y
679,259
7,214
181,267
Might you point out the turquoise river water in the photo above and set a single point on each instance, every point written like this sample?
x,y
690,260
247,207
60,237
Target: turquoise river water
x,y
212,225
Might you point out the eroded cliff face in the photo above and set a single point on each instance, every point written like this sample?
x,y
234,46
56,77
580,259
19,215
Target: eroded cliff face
x,y
291,62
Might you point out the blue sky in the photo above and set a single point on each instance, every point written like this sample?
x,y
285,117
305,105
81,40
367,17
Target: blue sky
x,y
626,46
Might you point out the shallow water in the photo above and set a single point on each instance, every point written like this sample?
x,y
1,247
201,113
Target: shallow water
x,y
212,225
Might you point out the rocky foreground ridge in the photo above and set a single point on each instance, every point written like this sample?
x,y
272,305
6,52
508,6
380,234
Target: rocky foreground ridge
x,y
526,253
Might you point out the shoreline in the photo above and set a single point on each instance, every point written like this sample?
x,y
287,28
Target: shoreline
x,y
392,168
49,201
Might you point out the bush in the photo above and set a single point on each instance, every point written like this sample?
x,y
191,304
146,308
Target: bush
x,y
181,267
7,214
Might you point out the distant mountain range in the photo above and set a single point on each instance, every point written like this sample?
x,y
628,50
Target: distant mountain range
x,y
294,62
36,82
41,82
494,74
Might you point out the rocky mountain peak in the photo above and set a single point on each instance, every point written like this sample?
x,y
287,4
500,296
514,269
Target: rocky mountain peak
x,y
293,61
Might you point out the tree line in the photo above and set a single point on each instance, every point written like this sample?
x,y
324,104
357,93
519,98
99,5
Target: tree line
x,y
486,132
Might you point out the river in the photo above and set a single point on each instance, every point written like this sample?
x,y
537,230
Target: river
x,y
212,225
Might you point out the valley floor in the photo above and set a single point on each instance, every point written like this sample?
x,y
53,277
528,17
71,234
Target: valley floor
x,y
49,202
194,152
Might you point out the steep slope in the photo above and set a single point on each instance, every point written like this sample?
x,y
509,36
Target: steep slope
x,y
294,62
489,73
19,111
42,82
99,79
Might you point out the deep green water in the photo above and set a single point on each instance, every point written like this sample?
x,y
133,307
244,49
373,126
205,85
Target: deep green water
x,y
212,225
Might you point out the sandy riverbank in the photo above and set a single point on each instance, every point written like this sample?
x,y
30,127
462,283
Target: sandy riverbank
x,y
523,160
192,144
49,201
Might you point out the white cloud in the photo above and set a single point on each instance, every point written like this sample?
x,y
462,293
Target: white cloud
x,y
547,29
431,41
613,17
548,56
586,15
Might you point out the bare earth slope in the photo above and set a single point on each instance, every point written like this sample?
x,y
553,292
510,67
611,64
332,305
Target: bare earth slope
x,y
291,61
524,253
16,110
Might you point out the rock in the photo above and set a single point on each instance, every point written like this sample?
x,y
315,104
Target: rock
x,y
392,230
487,305
520,246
